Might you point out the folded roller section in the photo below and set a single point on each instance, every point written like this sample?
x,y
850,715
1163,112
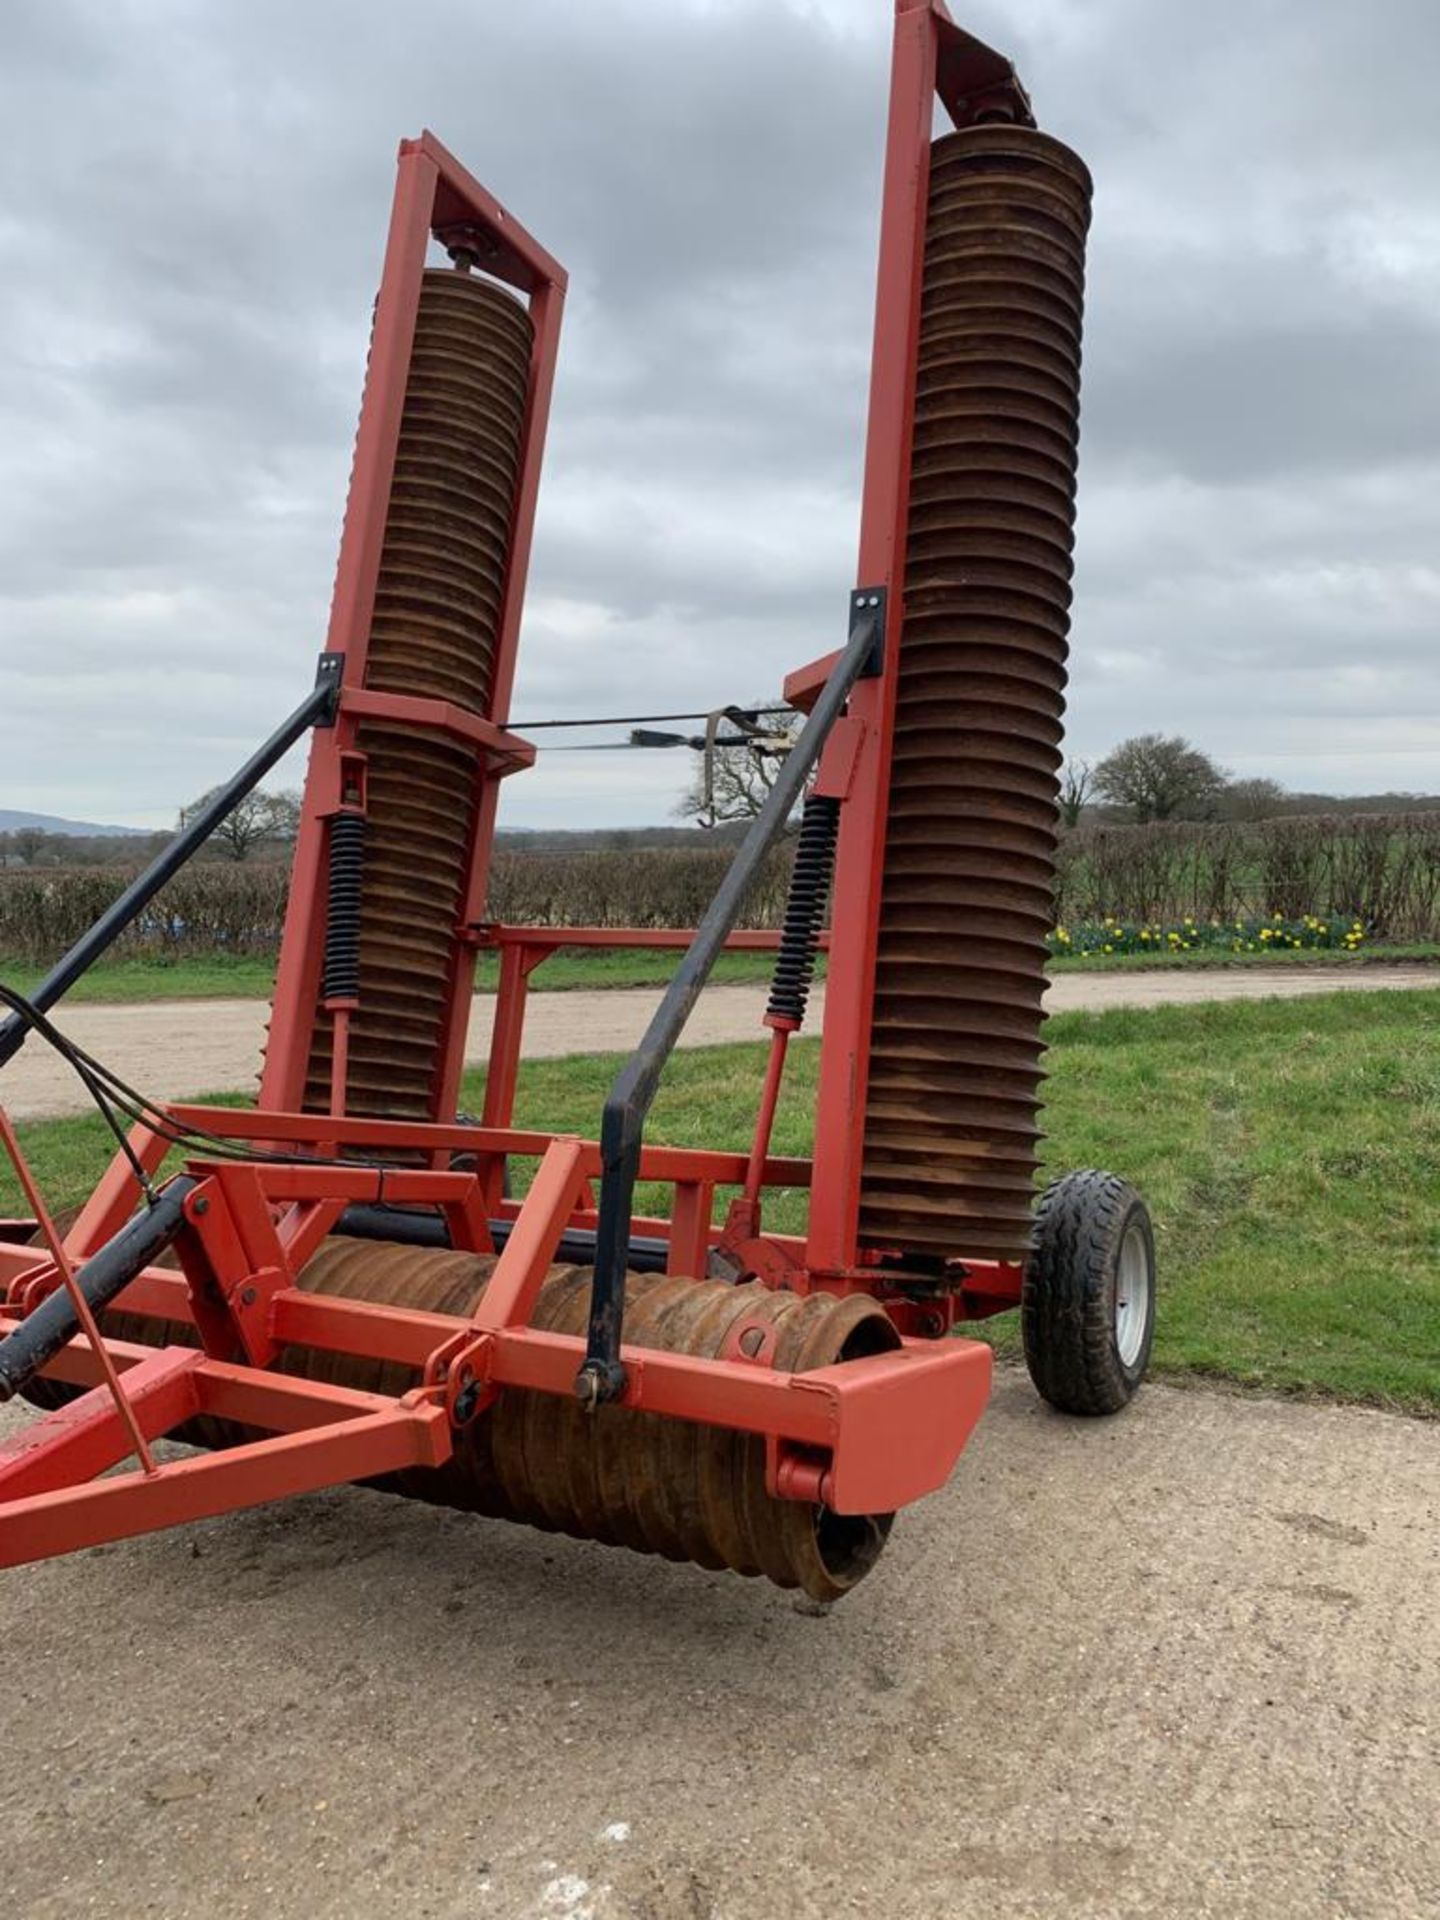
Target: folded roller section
x,y
437,614
955,1066
658,1485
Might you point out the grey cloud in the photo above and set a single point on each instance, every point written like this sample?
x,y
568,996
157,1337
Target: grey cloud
x,y
192,207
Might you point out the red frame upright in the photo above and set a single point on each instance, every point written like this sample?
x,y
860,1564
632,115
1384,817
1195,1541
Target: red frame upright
x,y
434,196
932,58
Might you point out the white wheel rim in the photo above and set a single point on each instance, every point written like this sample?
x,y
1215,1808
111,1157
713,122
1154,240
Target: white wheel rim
x,y
1132,1294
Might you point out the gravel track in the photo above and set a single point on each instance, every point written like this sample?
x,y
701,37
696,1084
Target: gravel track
x,y
177,1048
1182,1663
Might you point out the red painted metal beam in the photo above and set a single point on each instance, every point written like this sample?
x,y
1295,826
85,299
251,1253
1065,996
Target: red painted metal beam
x,y
306,1129
547,939
71,1517
433,193
507,750
890,1427
850,983
76,1442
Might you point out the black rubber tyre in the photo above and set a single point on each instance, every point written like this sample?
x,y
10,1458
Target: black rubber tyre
x,y
1087,1344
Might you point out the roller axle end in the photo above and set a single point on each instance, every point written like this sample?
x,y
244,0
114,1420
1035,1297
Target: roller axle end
x,y
599,1381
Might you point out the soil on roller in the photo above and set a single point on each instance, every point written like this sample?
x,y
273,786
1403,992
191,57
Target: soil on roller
x,y
1183,1663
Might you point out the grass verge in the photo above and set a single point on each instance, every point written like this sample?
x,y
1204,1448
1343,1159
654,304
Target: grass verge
x,y
251,976
1207,960
1290,1152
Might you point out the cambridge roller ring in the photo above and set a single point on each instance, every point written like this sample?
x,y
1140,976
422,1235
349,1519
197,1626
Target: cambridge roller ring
x,y
955,1066
677,1488
437,612
836,1345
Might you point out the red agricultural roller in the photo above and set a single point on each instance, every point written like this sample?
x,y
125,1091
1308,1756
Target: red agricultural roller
x,y
336,1284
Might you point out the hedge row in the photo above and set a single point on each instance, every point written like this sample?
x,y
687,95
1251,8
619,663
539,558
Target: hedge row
x,y
240,908
1382,869
217,906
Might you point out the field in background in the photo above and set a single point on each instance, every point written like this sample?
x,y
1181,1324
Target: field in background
x,y
142,977
1290,1151
1380,870
251,976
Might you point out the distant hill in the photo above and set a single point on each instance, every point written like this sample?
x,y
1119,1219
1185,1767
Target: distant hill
x,y
12,821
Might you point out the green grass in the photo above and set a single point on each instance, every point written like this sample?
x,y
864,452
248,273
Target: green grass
x,y
622,967
1213,957
251,976
213,976
1290,1152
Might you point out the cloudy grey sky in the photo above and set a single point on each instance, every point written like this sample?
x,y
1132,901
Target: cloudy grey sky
x,y
193,197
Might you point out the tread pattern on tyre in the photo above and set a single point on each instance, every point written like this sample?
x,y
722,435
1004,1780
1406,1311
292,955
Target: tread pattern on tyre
x,y
1066,1314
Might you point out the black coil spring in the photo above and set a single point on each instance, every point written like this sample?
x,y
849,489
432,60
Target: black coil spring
x,y
805,908
341,980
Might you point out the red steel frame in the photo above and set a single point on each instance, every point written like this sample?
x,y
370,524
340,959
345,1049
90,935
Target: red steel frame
x,y
865,1437
249,1227
433,194
931,57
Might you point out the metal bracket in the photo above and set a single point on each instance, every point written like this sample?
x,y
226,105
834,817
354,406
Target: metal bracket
x,y
872,600
328,671
457,1375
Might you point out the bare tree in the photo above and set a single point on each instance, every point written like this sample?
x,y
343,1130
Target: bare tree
x,y
285,808
1257,799
29,843
1160,778
740,777
1077,782
260,819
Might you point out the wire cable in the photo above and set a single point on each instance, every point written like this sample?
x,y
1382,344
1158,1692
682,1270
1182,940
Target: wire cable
x,y
111,1094
631,746
633,719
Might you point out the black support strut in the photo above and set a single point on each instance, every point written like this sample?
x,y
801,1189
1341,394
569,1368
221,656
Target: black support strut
x,y
622,1127
104,1276
317,708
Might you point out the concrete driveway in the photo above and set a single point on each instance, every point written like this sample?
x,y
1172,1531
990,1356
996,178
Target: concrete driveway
x,y
1181,1663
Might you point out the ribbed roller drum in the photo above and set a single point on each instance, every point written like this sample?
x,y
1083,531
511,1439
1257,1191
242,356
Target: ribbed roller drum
x,y
657,1485
955,1067
437,612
